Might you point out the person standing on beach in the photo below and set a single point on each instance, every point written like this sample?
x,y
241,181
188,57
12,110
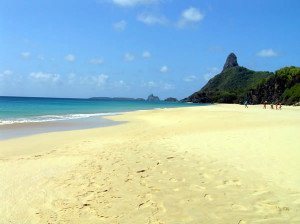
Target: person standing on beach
x,y
265,105
280,106
276,105
272,105
246,104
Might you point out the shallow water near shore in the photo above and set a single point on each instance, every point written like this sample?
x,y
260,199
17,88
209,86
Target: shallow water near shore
x,y
25,129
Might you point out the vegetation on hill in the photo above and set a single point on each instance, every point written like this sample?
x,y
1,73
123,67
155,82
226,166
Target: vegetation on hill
x,y
236,84
230,86
281,87
234,79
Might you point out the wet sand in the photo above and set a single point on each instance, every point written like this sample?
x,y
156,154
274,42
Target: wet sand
x,y
25,129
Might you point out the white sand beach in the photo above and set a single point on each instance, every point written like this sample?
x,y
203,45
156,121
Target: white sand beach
x,y
220,164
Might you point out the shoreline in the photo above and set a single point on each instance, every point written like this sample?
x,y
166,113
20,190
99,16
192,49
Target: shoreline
x,y
17,130
187,165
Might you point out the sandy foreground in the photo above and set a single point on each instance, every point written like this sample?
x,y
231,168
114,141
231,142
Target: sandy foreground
x,y
214,164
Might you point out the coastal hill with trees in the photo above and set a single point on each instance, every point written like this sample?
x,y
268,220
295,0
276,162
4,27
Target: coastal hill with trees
x,y
236,84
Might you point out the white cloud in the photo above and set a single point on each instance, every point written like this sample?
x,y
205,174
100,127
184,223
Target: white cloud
x,y
6,73
164,69
70,57
120,26
129,57
211,72
44,77
167,86
131,3
146,54
96,61
266,53
150,19
121,84
158,85
190,78
150,84
100,80
191,15
25,55
87,80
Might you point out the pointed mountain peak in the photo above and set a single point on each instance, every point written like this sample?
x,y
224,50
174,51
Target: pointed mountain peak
x,y
231,61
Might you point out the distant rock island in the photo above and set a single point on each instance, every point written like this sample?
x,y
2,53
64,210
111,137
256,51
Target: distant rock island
x,y
235,84
150,98
153,98
116,99
171,99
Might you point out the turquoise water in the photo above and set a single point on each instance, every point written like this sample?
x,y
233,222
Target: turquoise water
x,y
28,109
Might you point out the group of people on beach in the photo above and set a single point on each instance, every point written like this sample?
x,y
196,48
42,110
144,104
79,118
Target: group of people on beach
x,y
277,106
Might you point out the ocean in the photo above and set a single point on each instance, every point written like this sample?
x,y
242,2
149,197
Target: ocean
x,y
33,109
59,114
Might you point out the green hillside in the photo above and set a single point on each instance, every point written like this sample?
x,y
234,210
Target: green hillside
x,y
230,86
281,87
236,84
235,79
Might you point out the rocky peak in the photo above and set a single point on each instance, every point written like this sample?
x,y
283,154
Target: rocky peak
x,y
153,98
231,61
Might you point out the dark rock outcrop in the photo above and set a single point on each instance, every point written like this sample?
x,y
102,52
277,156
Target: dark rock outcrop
x,y
171,99
231,61
153,98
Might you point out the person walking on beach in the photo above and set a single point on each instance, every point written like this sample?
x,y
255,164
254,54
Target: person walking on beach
x,y
265,105
272,105
276,105
246,104
280,106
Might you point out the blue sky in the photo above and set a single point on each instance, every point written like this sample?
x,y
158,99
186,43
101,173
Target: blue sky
x,y
133,48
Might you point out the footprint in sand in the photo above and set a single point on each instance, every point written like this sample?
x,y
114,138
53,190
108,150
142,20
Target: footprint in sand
x,y
227,183
196,187
205,175
208,197
143,183
145,204
173,180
